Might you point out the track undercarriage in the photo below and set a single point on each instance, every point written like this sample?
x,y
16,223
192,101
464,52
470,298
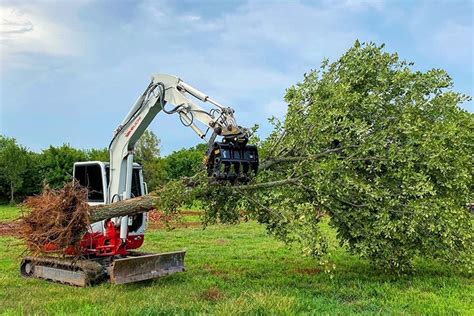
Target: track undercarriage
x,y
136,266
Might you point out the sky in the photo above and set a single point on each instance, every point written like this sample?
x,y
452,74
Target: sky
x,y
71,70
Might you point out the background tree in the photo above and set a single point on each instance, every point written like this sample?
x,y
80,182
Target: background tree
x,y
13,163
54,165
97,154
185,162
147,153
383,150
32,178
147,147
57,164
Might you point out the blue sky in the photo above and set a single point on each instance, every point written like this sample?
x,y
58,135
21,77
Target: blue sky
x,y
71,70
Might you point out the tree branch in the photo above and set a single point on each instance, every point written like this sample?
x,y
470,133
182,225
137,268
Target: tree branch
x,y
267,184
278,141
268,163
264,185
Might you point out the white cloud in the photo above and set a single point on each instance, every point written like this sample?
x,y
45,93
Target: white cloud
x,y
14,22
276,108
31,29
231,54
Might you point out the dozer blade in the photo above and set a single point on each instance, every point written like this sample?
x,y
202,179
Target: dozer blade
x,y
141,266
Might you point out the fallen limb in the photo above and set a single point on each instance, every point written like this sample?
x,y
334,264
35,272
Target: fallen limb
x,y
62,217
133,206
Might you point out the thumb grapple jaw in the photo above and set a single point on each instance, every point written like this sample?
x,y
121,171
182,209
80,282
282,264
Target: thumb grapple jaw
x,y
232,160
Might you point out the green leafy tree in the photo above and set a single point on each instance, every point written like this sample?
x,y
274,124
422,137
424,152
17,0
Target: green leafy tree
x,y
147,148
57,164
98,154
185,162
13,163
383,150
147,153
154,173
32,179
386,152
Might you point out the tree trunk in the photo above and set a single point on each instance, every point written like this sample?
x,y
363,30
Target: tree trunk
x,y
133,206
12,192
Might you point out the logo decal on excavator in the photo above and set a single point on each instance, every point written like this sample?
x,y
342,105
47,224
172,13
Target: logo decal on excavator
x,y
134,125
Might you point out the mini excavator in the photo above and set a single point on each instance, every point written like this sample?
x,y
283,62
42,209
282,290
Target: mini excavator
x,y
108,250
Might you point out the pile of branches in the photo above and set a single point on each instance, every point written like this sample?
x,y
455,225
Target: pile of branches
x,y
55,219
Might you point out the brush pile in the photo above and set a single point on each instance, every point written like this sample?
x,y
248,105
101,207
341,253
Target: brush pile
x,y
55,217
58,218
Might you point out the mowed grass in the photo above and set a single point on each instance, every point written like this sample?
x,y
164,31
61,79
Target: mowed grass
x,y
241,270
8,213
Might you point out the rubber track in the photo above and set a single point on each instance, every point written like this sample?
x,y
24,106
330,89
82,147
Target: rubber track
x,y
93,270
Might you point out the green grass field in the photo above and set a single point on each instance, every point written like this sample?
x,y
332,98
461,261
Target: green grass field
x,y
8,213
240,269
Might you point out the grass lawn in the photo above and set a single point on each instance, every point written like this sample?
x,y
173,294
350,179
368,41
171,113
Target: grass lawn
x,y
8,213
239,269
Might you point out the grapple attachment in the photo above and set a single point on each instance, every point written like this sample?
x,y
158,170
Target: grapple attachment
x,y
232,161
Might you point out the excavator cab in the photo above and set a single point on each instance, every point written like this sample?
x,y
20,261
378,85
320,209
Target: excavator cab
x,y
233,161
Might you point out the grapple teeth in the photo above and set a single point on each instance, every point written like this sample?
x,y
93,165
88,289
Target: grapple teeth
x,y
232,162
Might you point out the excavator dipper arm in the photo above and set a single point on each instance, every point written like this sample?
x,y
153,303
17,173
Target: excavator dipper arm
x,y
171,95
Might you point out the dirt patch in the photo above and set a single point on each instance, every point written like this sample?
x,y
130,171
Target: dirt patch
x,y
159,216
308,271
155,216
212,270
10,229
160,220
222,241
212,294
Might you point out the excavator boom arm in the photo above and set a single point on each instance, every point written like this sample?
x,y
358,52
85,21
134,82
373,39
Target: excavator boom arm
x,y
171,95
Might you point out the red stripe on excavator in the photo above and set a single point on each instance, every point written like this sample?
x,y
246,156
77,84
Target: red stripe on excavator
x,y
134,125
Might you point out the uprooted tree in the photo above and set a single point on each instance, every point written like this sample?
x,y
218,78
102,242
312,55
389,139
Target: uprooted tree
x,y
381,150
384,151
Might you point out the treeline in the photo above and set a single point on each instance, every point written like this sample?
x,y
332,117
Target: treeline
x,y
24,172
